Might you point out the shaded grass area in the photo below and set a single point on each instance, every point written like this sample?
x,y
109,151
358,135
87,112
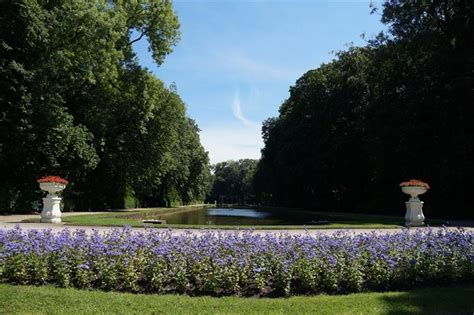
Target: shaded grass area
x,y
134,219
51,300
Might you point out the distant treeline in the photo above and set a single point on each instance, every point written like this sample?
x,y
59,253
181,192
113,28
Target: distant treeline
x,y
75,102
233,182
402,107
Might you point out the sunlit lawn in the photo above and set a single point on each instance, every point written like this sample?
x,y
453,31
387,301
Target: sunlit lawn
x,y
51,300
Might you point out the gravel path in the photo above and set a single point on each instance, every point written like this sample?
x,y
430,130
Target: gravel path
x,y
10,221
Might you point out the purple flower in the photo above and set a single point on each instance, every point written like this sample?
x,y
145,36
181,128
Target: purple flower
x,y
83,266
218,262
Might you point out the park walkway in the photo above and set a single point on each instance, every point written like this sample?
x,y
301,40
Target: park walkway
x,y
10,221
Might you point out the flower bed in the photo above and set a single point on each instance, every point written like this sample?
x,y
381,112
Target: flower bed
x,y
233,263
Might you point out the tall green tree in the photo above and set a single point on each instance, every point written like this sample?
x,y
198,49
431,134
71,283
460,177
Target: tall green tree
x,y
399,108
75,102
305,159
421,112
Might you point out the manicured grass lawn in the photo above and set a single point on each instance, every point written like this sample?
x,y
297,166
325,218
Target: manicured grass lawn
x,y
51,300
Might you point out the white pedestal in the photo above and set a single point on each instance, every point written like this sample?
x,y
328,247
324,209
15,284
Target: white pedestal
x,y
51,209
414,215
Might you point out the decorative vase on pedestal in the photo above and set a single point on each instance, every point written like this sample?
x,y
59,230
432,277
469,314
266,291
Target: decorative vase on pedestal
x,y
414,214
51,203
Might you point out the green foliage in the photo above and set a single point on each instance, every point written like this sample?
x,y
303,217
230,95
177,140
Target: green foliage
x,y
399,108
233,182
129,200
75,103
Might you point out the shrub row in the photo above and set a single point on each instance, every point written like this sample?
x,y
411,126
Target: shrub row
x,y
236,263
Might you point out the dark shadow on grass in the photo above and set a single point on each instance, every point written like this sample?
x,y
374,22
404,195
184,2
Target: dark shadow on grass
x,y
446,300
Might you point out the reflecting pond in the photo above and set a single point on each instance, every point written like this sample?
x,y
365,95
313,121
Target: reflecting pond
x,y
229,216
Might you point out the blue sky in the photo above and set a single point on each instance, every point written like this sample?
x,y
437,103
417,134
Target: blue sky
x,y
236,61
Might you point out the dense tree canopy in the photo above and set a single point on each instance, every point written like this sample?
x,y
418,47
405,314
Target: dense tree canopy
x,y
75,102
399,108
233,182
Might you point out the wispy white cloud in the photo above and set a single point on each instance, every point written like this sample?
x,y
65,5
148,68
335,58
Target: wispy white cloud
x,y
235,140
237,111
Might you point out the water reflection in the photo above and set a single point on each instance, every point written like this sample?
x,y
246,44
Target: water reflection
x,y
219,216
245,213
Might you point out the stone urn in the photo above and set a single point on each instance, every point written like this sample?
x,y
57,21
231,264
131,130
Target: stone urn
x,y
414,206
51,203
